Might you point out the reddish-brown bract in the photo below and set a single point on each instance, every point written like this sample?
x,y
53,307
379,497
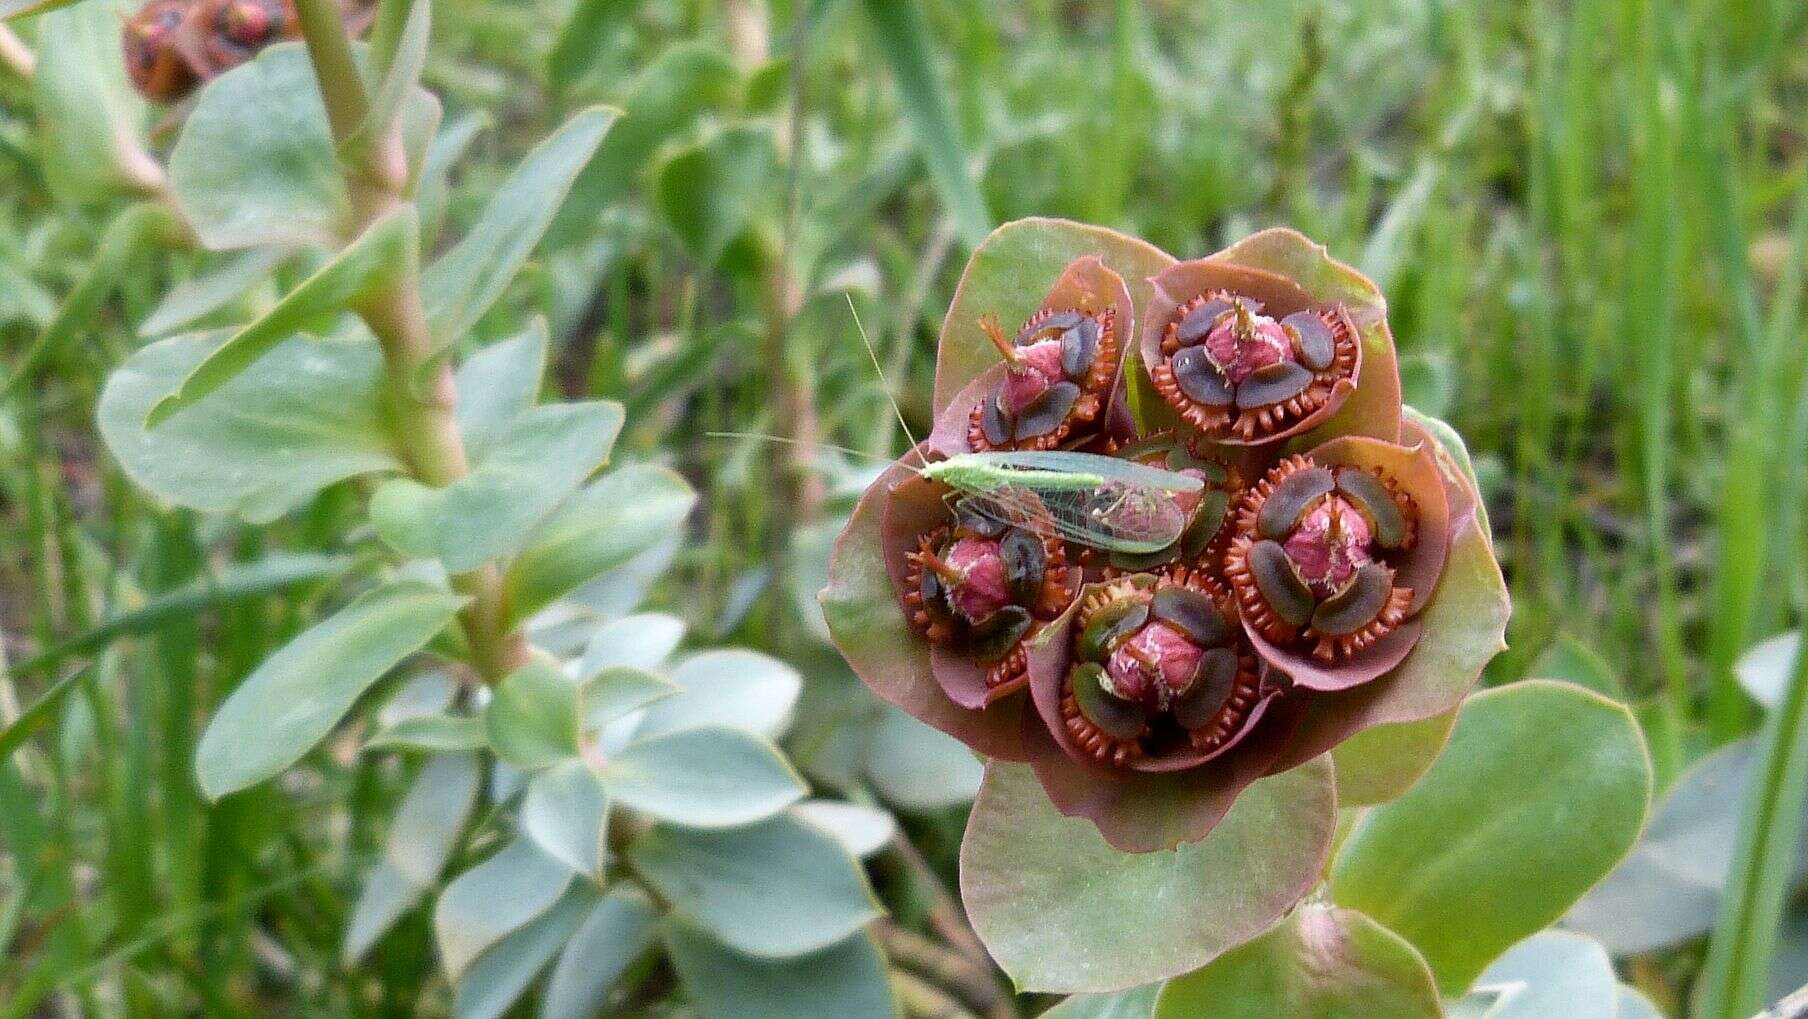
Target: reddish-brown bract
x,y
1058,377
1152,730
1235,347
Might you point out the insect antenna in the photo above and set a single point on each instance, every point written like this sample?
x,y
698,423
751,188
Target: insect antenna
x,y
783,441
884,383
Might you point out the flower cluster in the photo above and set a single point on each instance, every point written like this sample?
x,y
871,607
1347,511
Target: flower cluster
x,y
172,46
1300,577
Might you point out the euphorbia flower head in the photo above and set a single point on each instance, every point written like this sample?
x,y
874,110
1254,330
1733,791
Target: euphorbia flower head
x,y
1148,690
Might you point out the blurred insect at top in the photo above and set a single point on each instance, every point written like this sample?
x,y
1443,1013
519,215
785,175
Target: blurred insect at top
x,y
172,46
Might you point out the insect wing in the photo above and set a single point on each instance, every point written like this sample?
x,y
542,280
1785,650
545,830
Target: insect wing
x,y
1112,517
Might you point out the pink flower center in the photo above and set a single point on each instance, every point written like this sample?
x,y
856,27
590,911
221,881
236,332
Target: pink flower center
x,y
1155,666
982,589
1330,544
1239,345
1038,367
247,23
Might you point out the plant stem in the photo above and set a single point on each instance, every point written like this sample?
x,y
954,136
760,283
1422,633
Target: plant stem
x,y
330,50
923,1000
422,394
945,968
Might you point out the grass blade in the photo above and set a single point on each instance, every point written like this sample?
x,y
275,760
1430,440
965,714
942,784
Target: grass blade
x,y
1733,980
240,580
903,40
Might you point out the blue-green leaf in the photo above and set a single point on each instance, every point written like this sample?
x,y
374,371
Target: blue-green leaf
x,y
1552,973
778,888
291,701
533,717
732,687
612,520
372,261
535,462
845,979
917,767
1763,669
641,641
434,733
255,163
421,838
91,117
1135,1003
493,899
193,299
564,812
861,830
703,778
495,981
465,281
498,384
306,415
618,931
619,689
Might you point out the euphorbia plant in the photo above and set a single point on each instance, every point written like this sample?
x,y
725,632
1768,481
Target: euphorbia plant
x,y
1169,756
624,782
